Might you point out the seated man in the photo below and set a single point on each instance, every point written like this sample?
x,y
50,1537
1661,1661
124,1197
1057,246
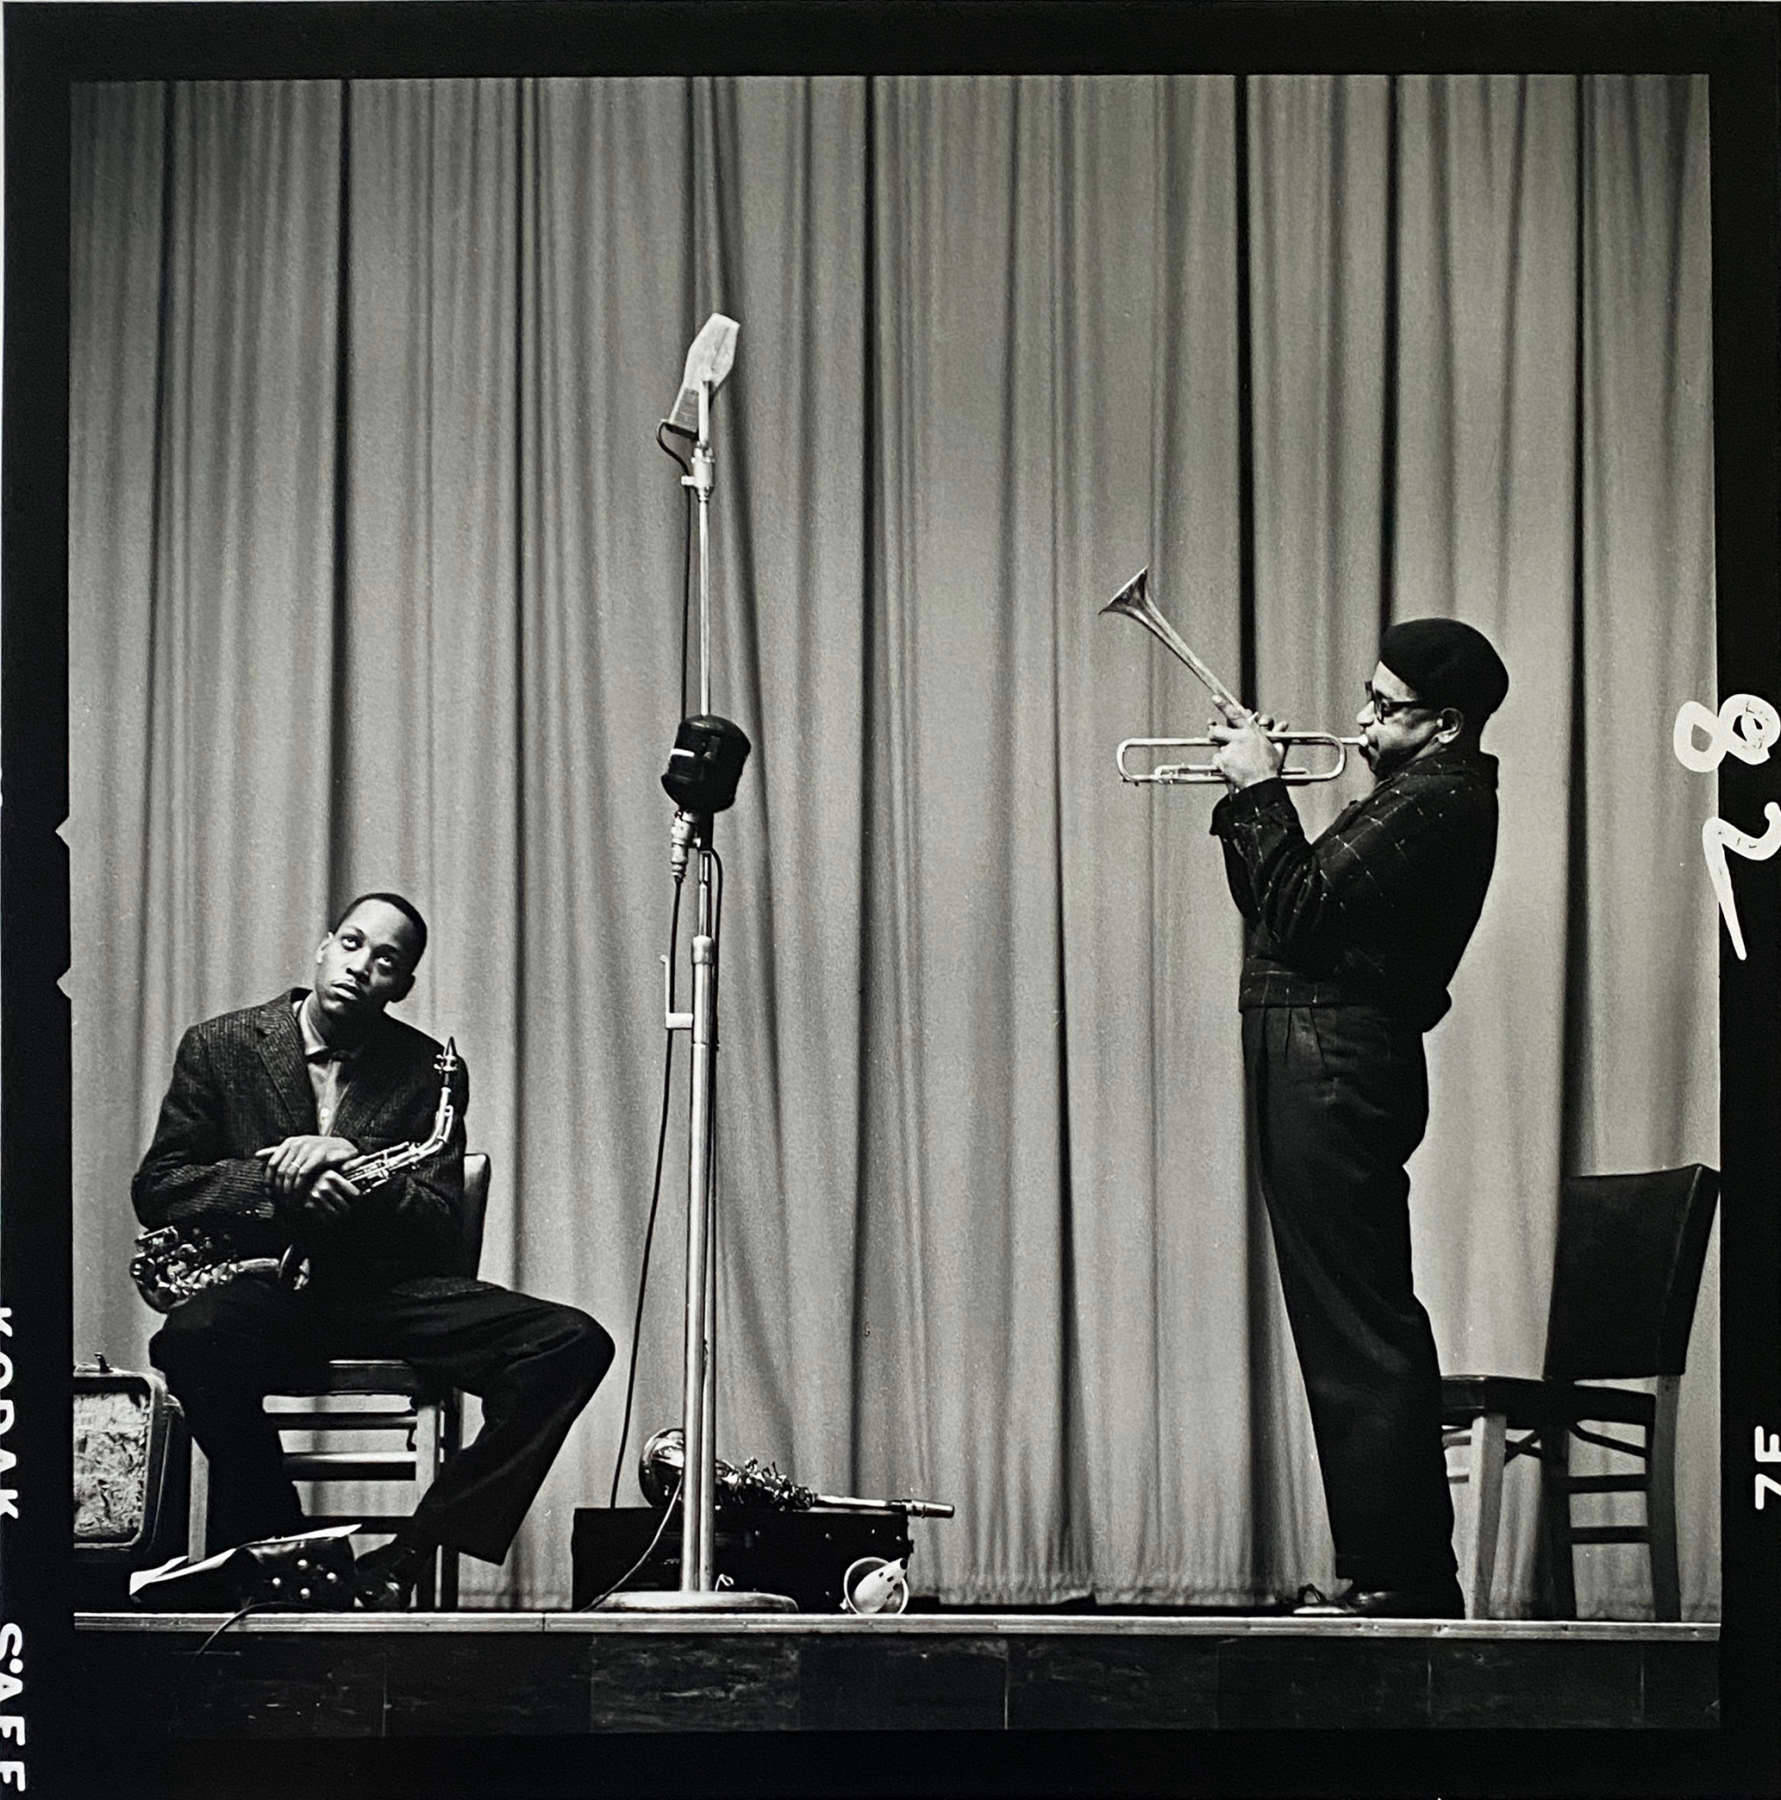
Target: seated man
x,y
266,1109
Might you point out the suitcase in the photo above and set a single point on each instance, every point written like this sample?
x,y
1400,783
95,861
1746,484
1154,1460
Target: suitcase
x,y
132,1470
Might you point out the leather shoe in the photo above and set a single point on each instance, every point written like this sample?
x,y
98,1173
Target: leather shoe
x,y
1431,1600
384,1579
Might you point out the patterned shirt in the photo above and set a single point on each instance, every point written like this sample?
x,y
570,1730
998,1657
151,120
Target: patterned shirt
x,y
329,1069
1378,911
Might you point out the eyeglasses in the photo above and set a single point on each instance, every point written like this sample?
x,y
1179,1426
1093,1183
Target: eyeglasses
x,y
1386,708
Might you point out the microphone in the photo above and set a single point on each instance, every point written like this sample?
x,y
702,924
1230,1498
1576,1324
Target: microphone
x,y
703,769
705,764
709,359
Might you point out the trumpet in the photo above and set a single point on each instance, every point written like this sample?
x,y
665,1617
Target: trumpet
x,y
1133,602
1179,774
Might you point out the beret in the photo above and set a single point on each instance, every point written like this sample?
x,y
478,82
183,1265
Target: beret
x,y
1446,663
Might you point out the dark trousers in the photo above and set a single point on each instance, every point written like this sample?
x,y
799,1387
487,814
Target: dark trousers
x,y
533,1363
1338,1099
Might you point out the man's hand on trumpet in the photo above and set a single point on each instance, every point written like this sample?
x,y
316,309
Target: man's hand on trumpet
x,y
1245,753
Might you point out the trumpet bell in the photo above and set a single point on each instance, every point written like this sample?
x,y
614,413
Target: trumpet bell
x,y
1133,601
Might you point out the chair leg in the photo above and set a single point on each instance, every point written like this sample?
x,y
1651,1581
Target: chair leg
x,y
1560,1578
427,1458
1660,1503
198,1505
1478,1523
451,1432
1465,1503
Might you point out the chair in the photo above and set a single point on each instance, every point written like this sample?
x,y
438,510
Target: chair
x,y
1626,1274
420,1429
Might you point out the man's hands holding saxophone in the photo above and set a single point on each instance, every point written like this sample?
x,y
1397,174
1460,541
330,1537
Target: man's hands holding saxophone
x,y
307,1178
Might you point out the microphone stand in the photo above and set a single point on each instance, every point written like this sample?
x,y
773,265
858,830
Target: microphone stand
x,y
691,836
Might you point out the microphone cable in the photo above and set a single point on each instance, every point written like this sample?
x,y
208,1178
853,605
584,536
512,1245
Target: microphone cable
x,y
686,570
649,1550
655,1201
179,1706
655,1197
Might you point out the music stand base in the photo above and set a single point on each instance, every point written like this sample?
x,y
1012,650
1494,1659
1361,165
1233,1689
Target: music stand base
x,y
698,1600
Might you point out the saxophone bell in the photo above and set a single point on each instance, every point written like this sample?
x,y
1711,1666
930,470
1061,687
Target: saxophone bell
x,y
662,1467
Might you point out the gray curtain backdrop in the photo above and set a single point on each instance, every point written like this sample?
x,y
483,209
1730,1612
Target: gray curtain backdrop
x,y
375,582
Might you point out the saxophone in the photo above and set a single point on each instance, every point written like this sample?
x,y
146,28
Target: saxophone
x,y
174,1262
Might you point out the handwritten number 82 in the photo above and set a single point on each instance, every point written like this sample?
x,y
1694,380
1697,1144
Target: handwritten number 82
x,y
1745,726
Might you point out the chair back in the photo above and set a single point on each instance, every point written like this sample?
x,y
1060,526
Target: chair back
x,y
1627,1272
476,1211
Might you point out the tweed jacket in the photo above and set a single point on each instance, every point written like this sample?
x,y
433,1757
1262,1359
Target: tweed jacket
x,y
1376,912
240,1083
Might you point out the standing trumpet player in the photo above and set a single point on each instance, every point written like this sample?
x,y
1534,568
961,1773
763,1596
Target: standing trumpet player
x,y
1350,944
270,1113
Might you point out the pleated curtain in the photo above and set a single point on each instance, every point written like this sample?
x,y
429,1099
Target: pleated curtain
x,y
377,578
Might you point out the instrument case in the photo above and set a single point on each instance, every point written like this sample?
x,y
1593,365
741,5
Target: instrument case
x,y
803,1554
132,1472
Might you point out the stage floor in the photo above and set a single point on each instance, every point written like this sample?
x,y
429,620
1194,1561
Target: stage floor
x,y
371,1675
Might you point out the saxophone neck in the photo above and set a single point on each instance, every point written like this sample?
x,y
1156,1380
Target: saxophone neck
x,y
447,1063
377,1166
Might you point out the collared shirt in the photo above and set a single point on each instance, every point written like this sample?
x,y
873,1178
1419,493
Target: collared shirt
x,y
1377,911
329,1069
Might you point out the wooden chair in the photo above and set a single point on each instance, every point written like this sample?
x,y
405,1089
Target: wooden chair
x,y
418,1425
1626,1274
